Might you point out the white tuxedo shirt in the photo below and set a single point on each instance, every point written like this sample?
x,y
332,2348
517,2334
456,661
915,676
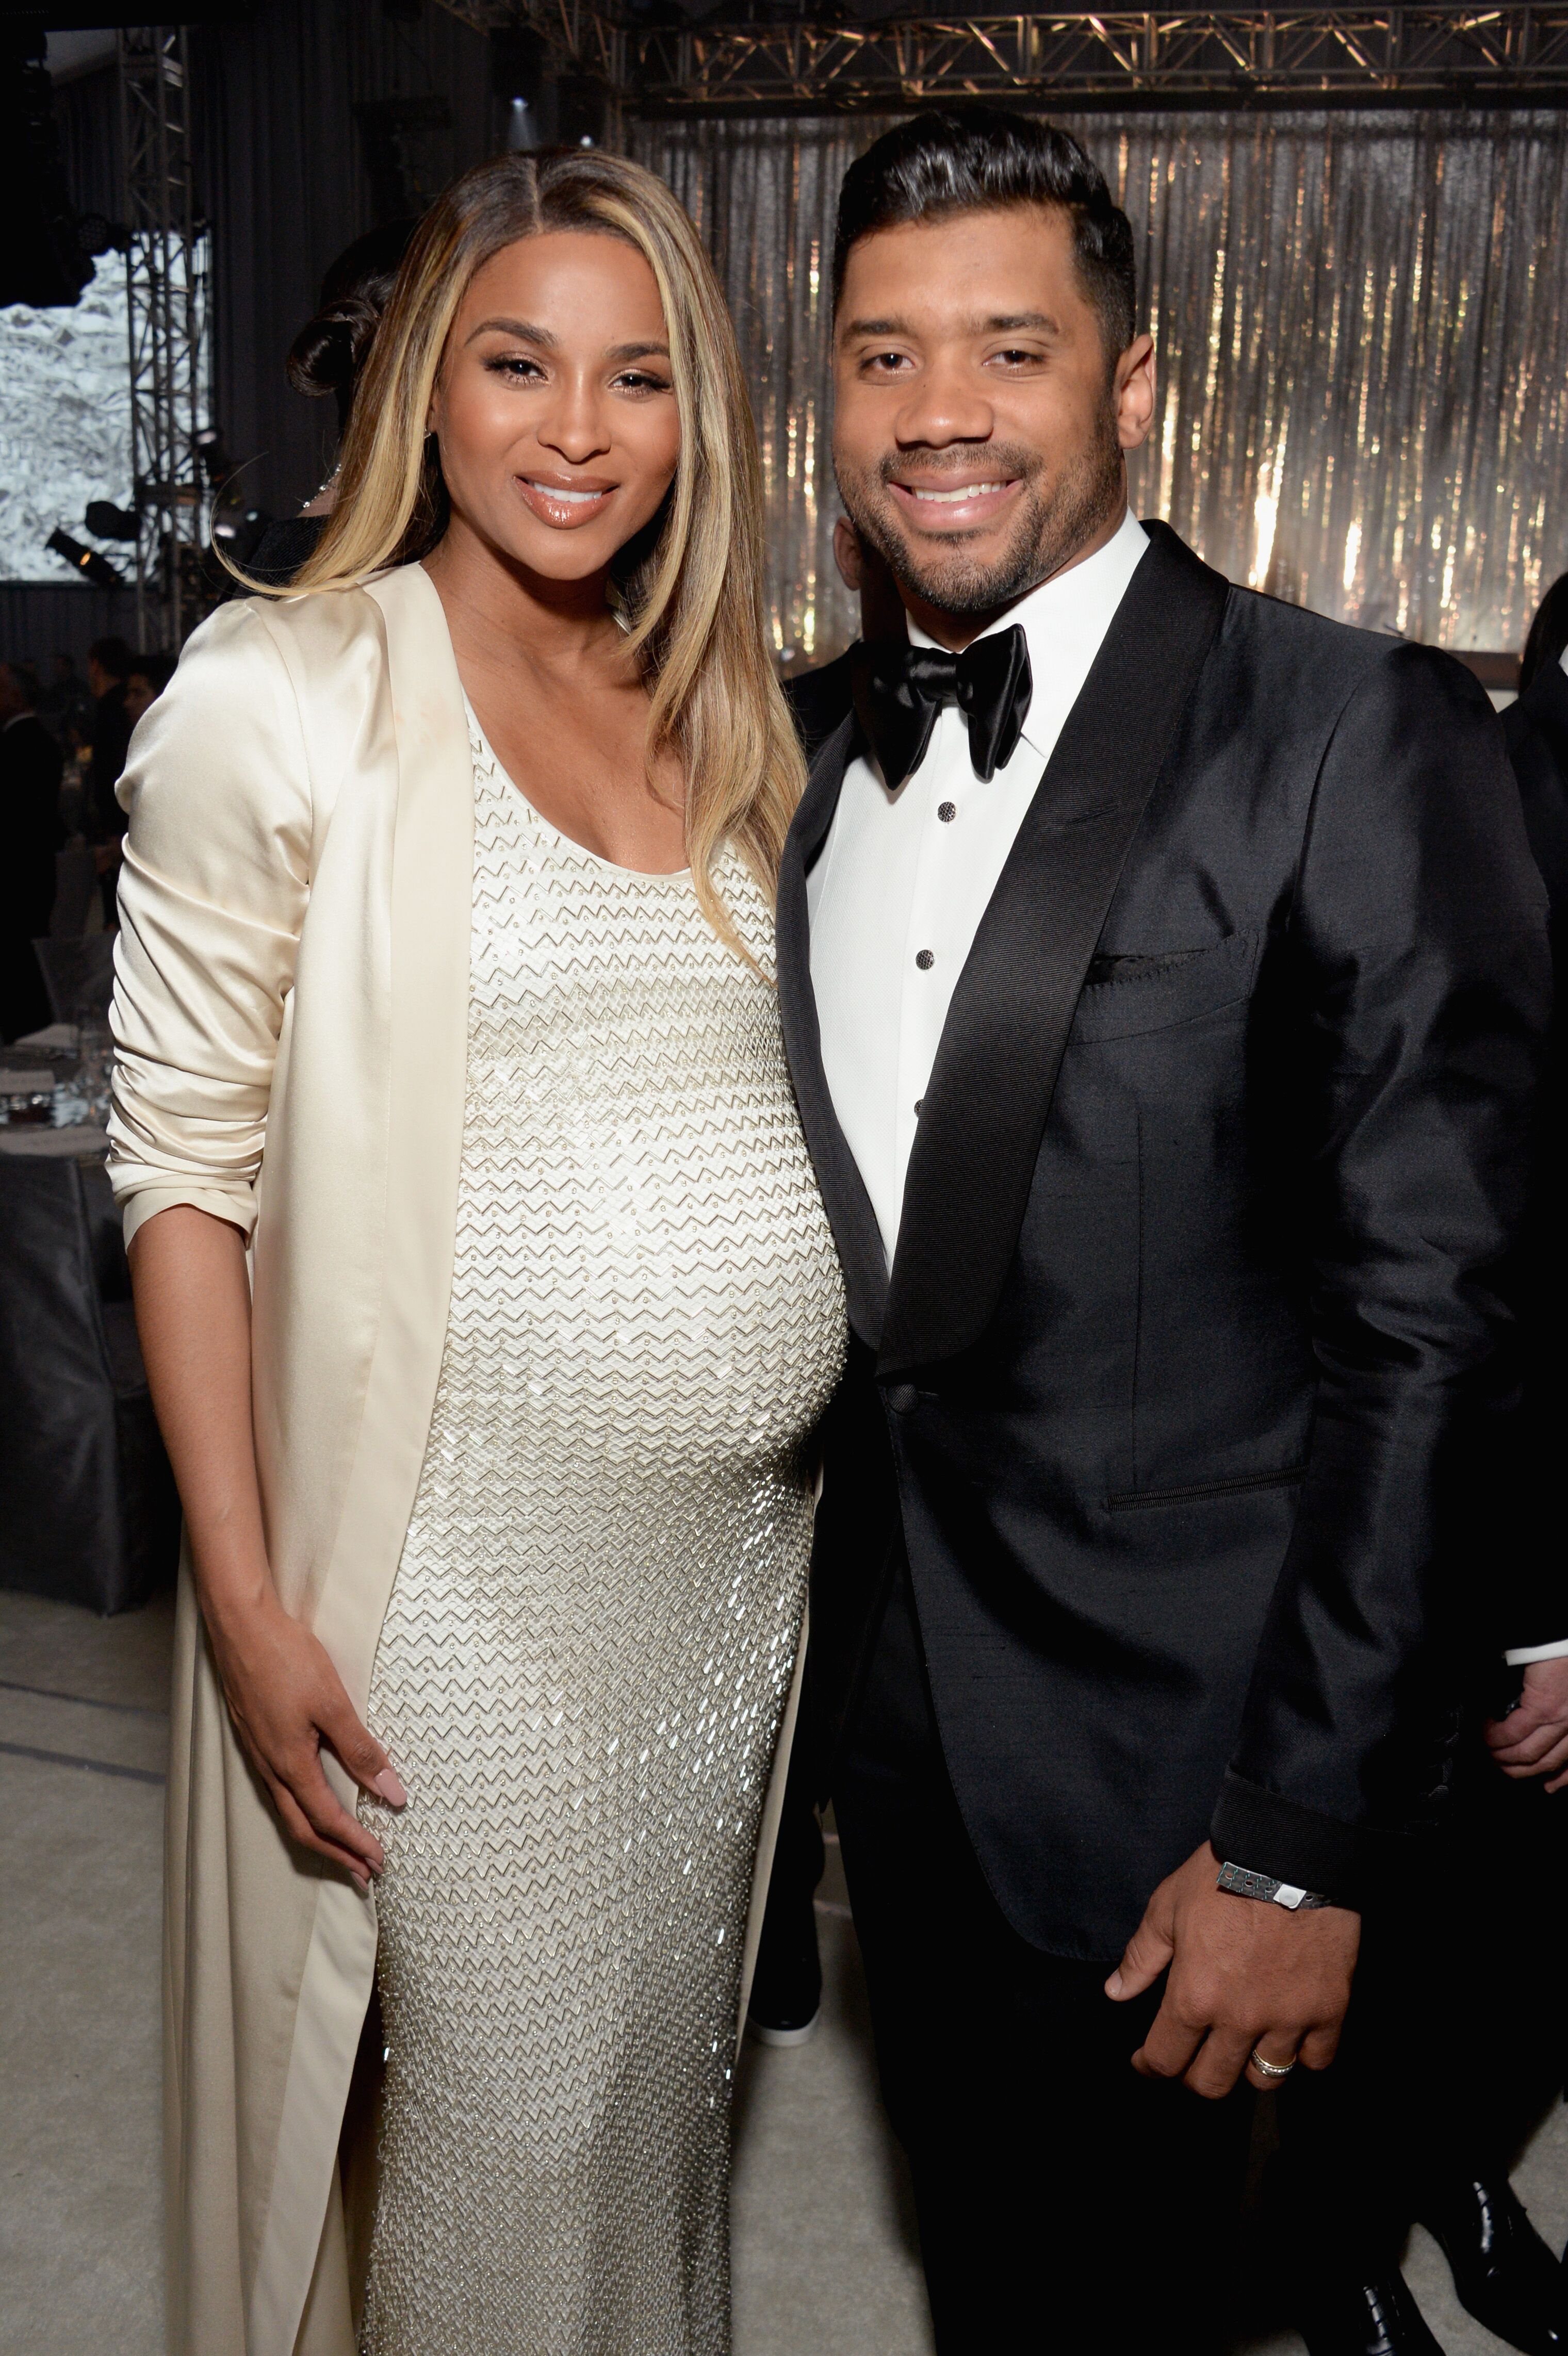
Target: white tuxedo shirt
x,y
903,879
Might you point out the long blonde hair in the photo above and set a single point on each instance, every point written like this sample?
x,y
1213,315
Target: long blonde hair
x,y
690,586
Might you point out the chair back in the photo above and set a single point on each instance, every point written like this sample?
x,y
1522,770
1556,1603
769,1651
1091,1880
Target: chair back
x,y
76,888
78,975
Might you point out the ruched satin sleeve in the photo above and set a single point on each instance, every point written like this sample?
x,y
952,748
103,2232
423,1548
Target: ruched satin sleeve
x,y
212,896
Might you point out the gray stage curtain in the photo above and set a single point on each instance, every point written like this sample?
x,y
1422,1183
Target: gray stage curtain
x,y
282,176
87,115
1363,342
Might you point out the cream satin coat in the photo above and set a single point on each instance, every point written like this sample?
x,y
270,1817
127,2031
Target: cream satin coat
x,y
292,973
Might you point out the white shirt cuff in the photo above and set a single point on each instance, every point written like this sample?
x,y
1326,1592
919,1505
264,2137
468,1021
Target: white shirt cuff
x,y
1524,1653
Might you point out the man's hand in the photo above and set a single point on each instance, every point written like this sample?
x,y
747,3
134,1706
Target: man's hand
x,y
1243,1975
1533,1739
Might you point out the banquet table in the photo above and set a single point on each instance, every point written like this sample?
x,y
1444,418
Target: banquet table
x,y
88,1510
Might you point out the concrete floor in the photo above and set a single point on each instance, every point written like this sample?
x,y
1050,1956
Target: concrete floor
x,y
824,2248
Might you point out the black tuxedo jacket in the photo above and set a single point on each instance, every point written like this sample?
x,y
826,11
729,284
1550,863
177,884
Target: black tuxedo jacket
x,y
1536,1612
30,834
1199,1323
819,699
30,828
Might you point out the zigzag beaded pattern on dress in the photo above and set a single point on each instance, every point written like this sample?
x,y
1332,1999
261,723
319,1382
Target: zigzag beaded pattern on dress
x,y
594,1621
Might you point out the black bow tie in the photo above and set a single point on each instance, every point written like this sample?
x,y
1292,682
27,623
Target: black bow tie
x,y
900,690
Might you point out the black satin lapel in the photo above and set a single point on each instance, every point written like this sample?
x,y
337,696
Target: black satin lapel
x,y
848,1206
995,1069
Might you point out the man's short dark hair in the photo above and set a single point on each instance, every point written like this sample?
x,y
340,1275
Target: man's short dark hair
x,y
111,654
963,159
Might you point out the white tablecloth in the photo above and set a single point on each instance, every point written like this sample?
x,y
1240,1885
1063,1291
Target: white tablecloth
x,y
86,1138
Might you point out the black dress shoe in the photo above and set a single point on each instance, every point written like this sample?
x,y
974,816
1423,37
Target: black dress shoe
x,y
1503,2272
785,2011
786,1990
1375,2319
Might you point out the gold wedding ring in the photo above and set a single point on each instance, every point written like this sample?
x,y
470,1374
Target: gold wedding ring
x,y
1271,2069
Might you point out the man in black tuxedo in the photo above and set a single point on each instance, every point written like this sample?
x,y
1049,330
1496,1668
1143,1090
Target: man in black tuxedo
x,y
1164,980
1483,2005
30,835
109,664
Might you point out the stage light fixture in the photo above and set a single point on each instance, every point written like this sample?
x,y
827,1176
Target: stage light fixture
x,y
85,561
105,520
518,79
582,108
237,532
41,260
216,462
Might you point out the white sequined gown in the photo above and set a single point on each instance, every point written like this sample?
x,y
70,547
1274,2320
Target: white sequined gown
x,y
595,1619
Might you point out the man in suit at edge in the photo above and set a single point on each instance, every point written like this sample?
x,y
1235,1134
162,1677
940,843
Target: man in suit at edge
x,y
1483,2005
1164,975
31,834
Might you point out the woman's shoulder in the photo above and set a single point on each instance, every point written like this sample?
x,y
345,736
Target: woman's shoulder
x,y
269,698
311,630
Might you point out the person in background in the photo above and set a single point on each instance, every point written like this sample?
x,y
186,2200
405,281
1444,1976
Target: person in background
x,y
30,834
76,785
150,674
64,702
326,358
1481,2006
109,664
1478,2006
1522,2057
1536,727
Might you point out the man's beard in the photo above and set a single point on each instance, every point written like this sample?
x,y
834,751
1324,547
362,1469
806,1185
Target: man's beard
x,y
1053,522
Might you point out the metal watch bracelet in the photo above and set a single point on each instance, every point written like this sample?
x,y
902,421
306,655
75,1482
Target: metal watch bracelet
x,y
1243,1884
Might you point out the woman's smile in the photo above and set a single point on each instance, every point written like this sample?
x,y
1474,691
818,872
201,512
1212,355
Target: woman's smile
x,y
566,502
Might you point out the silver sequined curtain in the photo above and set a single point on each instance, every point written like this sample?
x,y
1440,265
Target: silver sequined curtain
x,y
1362,326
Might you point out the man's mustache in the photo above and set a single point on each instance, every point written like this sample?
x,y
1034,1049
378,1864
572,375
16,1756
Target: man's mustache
x,y
1001,461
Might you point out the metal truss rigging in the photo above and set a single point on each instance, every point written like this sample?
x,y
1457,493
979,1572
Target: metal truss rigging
x,y
1360,56
166,289
1366,56
579,38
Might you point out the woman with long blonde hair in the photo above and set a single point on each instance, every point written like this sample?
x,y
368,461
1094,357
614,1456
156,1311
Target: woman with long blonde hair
x,y
488,1307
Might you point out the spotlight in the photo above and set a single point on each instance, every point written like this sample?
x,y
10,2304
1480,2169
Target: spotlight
x,y
86,560
105,520
216,462
517,78
237,532
582,110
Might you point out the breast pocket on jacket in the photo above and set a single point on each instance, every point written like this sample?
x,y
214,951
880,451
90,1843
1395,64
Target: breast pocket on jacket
x,y
1124,996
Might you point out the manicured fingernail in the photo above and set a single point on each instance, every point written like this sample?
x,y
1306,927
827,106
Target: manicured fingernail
x,y
391,1789
1113,1984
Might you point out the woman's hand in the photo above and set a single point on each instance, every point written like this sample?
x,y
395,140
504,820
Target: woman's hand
x,y
193,1310
287,1700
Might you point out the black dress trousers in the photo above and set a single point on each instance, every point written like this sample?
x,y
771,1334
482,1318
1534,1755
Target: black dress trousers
x,y
1064,2202
1457,2040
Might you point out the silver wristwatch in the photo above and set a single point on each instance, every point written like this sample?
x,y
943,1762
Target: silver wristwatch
x,y
1242,1884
